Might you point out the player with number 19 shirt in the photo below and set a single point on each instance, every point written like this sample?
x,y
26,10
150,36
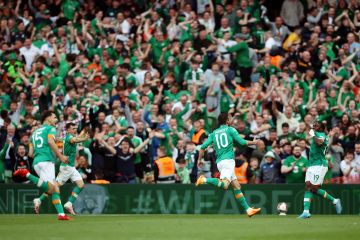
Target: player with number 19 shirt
x,y
223,139
318,167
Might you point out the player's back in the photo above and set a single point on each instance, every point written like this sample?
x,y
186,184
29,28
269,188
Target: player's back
x,y
223,139
39,141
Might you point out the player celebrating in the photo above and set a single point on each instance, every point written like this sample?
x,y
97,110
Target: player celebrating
x,y
68,170
223,138
42,148
318,167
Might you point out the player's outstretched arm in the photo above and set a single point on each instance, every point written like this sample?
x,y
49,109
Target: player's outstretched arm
x,y
236,136
79,139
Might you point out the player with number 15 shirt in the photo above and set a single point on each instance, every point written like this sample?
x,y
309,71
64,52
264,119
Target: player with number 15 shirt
x,y
42,150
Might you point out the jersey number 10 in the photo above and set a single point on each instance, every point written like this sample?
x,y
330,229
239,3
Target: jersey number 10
x,y
224,142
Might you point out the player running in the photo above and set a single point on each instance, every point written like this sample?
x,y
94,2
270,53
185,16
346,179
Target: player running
x,y
68,170
43,148
318,167
223,138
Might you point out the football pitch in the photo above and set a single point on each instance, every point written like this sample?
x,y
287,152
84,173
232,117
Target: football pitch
x,y
184,227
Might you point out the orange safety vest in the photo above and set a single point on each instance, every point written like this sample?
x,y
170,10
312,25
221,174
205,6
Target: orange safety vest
x,y
196,137
166,168
240,173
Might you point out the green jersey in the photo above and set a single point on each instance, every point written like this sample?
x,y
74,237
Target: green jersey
x,y
69,150
39,141
136,141
223,140
296,175
317,152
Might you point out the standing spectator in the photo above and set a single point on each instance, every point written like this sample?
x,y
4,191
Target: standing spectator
x,y
243,62
292,11
270,170
294,167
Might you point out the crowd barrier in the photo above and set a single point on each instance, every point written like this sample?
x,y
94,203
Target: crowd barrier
x,y
178,199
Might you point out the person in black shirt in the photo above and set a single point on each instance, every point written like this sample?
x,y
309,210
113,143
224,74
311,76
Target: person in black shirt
x,y
125,156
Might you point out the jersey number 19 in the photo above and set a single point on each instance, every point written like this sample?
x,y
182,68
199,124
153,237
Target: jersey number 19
x,y
221,140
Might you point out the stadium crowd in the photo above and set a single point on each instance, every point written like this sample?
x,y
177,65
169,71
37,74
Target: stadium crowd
x,y
153,76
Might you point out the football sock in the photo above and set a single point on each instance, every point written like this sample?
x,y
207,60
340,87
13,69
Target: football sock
x,y
43,185
325,195
57,203
241,199
216,182
307,201
74,194
43,197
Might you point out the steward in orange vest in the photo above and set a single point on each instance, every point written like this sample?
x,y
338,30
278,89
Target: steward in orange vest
x,y
198,133
164,171
242,169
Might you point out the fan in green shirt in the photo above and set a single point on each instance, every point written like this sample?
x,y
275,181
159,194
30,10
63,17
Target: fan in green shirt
x,y
242,53
294,167
69,7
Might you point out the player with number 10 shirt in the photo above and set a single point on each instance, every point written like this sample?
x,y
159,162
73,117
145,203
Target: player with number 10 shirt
x,y
223,140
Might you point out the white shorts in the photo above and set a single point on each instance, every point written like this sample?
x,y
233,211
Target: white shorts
x,y
45,171
66,173
227,169
315,175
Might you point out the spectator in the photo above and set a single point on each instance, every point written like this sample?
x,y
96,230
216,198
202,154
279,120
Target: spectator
x,y
294,167
182,173
270,170
292,11
349,169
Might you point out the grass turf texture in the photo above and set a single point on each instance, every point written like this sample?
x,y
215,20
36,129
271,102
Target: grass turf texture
x,y
182,227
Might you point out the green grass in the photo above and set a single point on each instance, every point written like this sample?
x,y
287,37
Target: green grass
x,y
184,227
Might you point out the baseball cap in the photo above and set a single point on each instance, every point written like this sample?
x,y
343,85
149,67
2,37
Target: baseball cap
x,y
270,154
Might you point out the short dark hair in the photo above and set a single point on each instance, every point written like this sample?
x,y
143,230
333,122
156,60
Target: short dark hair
x,y
46,114
69,125
321,125
285,125
222,119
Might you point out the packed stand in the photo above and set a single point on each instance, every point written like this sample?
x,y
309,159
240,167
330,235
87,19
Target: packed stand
x,y
148,79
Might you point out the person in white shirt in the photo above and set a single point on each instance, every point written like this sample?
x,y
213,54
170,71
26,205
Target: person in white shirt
x,y
349,169
123,26
30,52
292,11
224,43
